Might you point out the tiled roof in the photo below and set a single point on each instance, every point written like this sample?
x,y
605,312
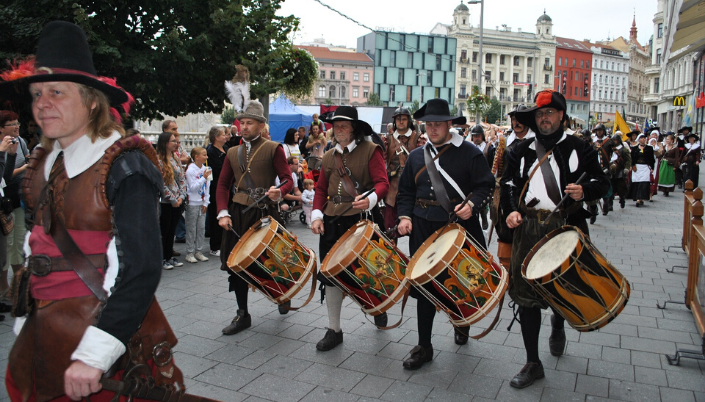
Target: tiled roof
x,y
323,53
572,44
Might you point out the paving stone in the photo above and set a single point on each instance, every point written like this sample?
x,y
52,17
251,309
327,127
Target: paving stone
x,y
611,370
255,360
676,395
630,391
190,365
332,357
646,359
479,385
228,376
284,366
572,364
530,394
405,391
230,354
330,377
260,341
217,393
557,395
686,380
364,344
204,329
197,346
437,376
584,350
651,376
592,385
368,364
647,345
559,379
443,395
280,389
616,355
599,338
322,394
372,386
295,331
497,369
665,335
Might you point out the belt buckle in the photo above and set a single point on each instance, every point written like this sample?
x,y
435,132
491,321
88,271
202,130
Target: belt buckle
x,y
39,265
541,215
337,200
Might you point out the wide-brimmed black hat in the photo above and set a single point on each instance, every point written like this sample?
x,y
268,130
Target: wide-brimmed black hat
x,y
62,55
437,110
689,128
517,108
543,99
692,135
634,132
349,113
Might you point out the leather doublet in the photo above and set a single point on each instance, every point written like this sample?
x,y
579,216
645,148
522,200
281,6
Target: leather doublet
x,y
261,167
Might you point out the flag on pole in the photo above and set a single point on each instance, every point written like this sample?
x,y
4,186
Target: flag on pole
x,y
621,125
646,125
688,115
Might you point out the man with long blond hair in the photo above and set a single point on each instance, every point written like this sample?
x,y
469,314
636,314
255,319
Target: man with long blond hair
x,y
94,258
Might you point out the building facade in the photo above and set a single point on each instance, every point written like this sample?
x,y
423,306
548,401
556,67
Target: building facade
x,y
515,64
573,78
344,77
610,81
411,67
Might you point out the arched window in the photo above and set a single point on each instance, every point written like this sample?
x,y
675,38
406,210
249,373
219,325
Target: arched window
x,y
321,91
342,92
331,92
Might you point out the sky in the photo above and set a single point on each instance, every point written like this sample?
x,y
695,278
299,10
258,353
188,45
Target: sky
x,y
575,19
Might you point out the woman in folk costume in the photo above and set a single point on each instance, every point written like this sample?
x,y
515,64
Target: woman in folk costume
x,y
642,160
667,166
93,240
691,159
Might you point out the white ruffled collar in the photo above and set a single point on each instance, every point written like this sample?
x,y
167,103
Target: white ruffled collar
x,y
80,155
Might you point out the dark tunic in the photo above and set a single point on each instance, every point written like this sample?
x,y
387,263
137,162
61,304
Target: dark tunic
x,y
526,235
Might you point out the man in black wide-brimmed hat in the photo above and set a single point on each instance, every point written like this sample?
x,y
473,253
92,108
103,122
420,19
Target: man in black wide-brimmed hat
x,y
361,162
538,173
426,201
95,256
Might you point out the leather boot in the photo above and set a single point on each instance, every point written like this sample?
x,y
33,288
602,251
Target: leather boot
x,y
528,374
241,321
622,202
593,213
330,340
460,336
381,320
419,356
283,307
556,342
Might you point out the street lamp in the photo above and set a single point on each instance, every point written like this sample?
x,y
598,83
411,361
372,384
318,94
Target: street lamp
x,y
479,60
531,84
421,74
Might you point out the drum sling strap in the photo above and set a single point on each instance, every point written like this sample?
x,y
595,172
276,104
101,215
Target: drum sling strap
x,y
245,167
436,181
549,178
349,183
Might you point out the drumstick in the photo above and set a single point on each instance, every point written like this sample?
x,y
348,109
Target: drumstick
x,y
233,230
454,215
565,197
260,199
365,195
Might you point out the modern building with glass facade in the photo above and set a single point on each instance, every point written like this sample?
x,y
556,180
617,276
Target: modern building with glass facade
x,y
409,67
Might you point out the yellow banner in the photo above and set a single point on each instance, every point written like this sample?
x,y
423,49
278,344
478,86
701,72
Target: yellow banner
x,y
621,125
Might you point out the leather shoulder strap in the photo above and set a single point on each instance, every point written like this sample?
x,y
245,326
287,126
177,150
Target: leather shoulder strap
x,y
345,176
526,185
436,181
438,155
245,168
549,178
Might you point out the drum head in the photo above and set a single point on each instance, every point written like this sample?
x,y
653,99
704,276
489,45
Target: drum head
x,y
348,244
435,253
552,254
252,244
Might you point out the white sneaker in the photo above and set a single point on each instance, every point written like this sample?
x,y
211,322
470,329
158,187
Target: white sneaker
x,y
166,265
190,258
176,262
215,253
200,257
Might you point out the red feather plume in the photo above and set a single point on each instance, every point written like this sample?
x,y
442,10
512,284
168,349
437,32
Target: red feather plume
x,y
19,69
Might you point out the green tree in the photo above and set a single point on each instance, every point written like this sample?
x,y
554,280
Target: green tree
x,y
374,100
328,102
494,113
227,116
414,106
173,56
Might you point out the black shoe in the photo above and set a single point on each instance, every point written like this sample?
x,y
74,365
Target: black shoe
x,y
419,356
330,340
460,337
180,240
283,308
241,321
528,374
605,211
556,342
665,194
593,218
381,320
622,202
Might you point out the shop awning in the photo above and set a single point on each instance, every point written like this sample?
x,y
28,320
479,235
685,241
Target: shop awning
x,y
688,18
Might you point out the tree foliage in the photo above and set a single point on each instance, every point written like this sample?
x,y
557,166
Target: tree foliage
x,y
172,55
374,100
227,116
494,113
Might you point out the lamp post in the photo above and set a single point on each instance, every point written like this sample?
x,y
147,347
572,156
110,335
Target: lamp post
x,y
533,77
422,74
480,73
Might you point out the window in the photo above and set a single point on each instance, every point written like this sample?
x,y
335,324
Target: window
x,y
624,81
356,76
410,60
356,92
600,78
660,30
408,94
501,59
401,76
602,65
622,96
393,58
332,75
342,92
391,93
572,107
612,65
560,62
611,94
576,91
528,78
488,91
438,62
366,93
462,90
587,64
488,75
331,92
547,62
501,75
565,60
658,56
430,45
366,77
429,78
321,91
573,62
545,79
488,58
600,94
474,75
582,63
530,62
515,77
463,72
474,57
323,74
463,55
342,75
656,82
516,60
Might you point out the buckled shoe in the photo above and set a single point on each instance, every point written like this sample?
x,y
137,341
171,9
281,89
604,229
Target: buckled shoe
x,y
241,321
528,374
381,320
460,337
419,356
330,340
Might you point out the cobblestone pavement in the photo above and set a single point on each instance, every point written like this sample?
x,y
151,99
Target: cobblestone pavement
x,y
277,360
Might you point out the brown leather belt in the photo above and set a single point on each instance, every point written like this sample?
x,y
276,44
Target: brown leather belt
x,y
424,203
542,214
42,265
339,199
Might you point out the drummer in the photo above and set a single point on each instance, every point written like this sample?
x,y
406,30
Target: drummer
x,y
424,206
364,162
530,201
262,161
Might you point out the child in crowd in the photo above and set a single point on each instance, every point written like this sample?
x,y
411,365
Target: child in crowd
x,y
307,200
198,177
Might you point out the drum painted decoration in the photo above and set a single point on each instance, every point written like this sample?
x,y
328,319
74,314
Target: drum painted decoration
x,y
568,271
457,276
272,260
366,265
